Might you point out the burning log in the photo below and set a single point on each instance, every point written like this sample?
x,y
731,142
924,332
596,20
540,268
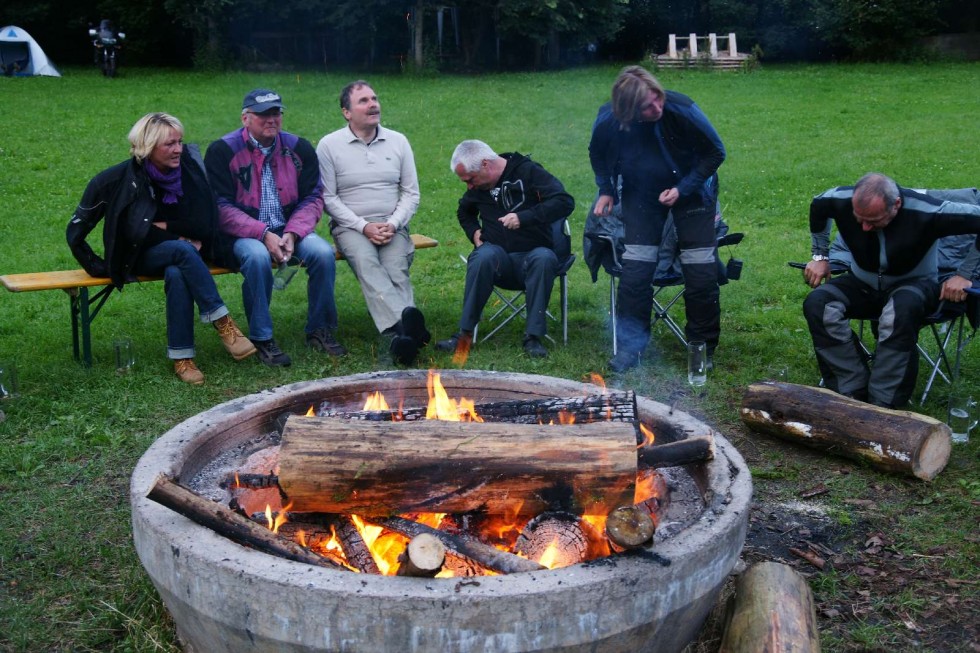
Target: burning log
x,y
483,554
892,440
614,407
682,452
629,527
230,524
773,610
555,539
423,557
385,468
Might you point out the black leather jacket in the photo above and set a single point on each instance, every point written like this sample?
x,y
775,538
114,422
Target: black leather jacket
x,y
124,196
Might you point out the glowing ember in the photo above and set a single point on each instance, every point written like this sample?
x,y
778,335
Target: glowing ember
x,y
550,556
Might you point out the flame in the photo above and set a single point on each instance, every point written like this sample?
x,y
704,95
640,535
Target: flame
x,y
376,401
441,406
550,556
238,483
648,436
462,351
646,488
310,412
274,522
598,380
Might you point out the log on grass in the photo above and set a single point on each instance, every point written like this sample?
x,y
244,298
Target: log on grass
x,y
892,440
423,557
483,554
388,468
773,610
230,524
614,406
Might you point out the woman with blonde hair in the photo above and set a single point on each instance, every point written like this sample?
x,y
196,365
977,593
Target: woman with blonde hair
x,y
160,220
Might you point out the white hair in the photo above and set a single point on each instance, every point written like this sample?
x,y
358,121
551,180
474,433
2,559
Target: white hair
x,y
471,154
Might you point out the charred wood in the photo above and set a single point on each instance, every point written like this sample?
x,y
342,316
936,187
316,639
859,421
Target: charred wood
x,y
629,527
681,452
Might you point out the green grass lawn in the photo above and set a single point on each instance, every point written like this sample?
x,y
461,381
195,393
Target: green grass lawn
x,y
69,577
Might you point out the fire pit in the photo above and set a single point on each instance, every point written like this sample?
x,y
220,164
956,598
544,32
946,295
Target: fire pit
x,y
225,597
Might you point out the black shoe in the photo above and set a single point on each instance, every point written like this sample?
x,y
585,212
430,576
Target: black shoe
x,y
404,350
323,340
534,348
270,354
623,361
413,326
452,343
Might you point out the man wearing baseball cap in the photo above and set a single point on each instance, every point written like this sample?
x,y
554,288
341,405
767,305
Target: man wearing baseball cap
x,y
269,201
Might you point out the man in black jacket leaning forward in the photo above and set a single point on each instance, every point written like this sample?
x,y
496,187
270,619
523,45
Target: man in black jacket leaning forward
x,y
508,212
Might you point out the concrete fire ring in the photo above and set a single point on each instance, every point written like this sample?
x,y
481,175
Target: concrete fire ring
x,y
225,597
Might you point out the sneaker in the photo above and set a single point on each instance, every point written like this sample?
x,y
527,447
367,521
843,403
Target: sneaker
x,y
413,326
623,361
187,371
534,348
452,343
233,339
404,350
270,354
322,340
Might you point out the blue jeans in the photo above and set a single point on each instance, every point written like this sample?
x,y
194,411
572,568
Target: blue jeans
x,y
256,268
186,281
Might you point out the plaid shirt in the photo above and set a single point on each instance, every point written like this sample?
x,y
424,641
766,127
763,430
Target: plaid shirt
x,y
270,210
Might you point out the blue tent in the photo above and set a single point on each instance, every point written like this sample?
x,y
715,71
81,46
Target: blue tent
x,y
21,55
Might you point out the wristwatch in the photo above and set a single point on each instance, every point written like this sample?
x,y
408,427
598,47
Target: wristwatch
x,y
820,257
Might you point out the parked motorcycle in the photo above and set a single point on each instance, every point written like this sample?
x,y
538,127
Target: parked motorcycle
x,y
107,43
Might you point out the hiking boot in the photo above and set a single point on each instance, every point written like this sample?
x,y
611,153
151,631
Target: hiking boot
x,y
187,371
623,361
452,343
233,339
413,326
323,340
404,350
270,354
534,348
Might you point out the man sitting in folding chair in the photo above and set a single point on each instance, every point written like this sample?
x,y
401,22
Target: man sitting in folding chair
x,y
509,212
891,233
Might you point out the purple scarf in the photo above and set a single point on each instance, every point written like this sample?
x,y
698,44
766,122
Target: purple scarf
x,y
169,182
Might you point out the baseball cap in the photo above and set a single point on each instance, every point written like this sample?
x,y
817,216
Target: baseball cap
x,y
261,100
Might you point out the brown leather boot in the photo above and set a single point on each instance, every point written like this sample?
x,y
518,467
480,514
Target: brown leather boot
x,y
233,339
187,371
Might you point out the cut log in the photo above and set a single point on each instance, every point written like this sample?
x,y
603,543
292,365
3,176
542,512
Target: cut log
x,y
230,524
483,554
695,449
387,468
615,406
773,610
629,527
892,440
554,539
423,557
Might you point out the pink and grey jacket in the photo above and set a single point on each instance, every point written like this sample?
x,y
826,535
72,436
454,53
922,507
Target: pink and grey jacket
x,y
234,168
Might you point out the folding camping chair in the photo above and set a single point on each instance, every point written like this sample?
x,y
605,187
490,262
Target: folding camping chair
x,y
513,302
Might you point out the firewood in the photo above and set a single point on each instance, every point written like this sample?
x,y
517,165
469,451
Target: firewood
x,y
230,524
554,539
483,554
423,557
681,452
615,407
629,527
892,440
386,468
773,610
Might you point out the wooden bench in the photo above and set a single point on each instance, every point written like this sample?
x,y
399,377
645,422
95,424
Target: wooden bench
x,y
84,308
